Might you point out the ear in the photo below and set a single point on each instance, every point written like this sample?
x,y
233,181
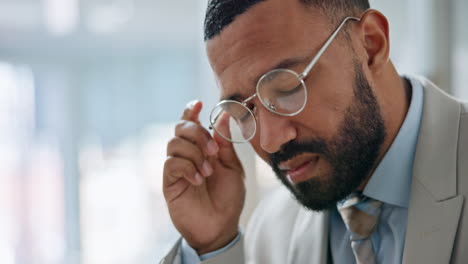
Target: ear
x,y
375,39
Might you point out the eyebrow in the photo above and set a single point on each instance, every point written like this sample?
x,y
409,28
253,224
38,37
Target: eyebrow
x,y
284,64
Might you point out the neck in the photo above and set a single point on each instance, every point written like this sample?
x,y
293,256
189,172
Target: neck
x,y
394,96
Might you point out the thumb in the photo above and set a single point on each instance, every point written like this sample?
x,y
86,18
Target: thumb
x,y
226,152
222,128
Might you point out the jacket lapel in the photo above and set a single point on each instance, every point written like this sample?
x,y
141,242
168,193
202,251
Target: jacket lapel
x,y
434,208
172,257
309,238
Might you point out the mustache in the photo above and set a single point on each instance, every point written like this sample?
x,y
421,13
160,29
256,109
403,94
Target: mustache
x,y
294,148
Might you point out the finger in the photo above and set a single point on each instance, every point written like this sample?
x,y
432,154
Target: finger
x,y
192,111
176,169
182,148
198,135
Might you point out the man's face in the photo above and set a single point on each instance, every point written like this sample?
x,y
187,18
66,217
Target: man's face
x,y
328,150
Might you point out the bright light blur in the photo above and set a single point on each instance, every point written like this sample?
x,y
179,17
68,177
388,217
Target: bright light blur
x,y
90,91
61,16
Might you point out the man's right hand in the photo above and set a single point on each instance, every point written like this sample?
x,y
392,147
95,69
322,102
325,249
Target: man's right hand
x,y
203,183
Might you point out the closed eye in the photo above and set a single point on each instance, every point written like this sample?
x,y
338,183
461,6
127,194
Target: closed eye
x,y
289,92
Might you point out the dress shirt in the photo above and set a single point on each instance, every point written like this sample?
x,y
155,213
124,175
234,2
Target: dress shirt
x,y
190,256
390,183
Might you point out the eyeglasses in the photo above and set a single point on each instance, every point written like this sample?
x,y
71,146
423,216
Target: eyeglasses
x,y
281,91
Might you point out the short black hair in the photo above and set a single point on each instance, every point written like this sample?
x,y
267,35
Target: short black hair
x,y
221,13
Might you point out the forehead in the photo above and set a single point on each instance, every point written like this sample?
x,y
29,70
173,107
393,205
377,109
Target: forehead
x,y
268,34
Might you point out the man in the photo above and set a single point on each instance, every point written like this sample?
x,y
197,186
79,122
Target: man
x,y
374,164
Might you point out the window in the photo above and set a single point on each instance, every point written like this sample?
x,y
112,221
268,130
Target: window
x,y
89,94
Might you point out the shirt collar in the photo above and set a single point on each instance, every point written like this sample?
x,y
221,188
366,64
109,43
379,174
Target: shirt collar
x,y
391,181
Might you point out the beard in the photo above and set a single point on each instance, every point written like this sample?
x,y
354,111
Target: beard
x,y
352,152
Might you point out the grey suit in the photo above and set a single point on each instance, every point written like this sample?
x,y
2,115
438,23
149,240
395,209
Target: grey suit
x,y
281,231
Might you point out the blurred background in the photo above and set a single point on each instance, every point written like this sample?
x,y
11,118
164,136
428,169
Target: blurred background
x,y
89,94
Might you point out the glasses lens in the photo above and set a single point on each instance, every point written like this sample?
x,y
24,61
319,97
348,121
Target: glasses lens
x,y
233,121
282,92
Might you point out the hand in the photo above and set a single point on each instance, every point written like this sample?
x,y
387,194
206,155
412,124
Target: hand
x,y
203,183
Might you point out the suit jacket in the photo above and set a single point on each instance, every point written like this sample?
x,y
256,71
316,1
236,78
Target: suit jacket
x,y
282,231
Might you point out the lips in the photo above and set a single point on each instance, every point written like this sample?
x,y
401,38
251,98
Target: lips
x,y
300,168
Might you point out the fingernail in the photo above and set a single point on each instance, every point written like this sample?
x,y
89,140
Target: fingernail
x,y
191,104
212,147
207,170
198,179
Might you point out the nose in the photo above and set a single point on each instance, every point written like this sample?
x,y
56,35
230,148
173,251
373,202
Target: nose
x,y
274,130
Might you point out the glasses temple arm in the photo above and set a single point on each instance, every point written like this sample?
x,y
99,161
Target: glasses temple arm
x,y
325,46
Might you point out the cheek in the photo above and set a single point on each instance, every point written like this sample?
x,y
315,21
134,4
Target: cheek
x,y
326,105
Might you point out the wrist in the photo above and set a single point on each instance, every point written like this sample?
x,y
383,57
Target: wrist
x,y
221,242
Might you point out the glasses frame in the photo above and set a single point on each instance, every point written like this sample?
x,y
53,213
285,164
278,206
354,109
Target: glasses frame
x,y
301,77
